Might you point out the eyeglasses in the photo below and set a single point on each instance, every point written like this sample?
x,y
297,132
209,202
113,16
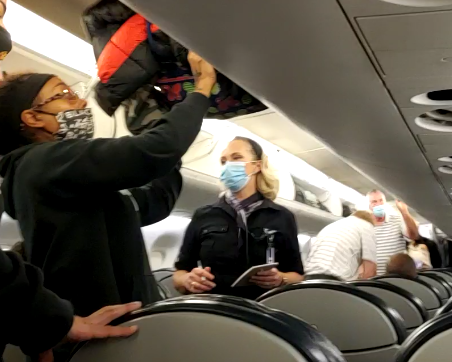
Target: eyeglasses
x,y
67,94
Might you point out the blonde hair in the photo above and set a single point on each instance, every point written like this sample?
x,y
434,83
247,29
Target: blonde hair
x,y
267,183
364,215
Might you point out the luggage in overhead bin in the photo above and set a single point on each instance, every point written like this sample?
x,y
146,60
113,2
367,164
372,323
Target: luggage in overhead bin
x,y
308,198
132,53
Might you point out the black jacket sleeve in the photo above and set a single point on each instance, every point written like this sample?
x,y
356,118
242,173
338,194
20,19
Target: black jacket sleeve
x,y
290,260
189,251
74,167
32,317
156,200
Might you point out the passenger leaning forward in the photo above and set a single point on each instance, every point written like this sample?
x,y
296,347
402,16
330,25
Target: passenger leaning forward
x,y
344,250
64,187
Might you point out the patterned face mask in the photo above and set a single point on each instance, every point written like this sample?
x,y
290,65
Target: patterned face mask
x,y
75,124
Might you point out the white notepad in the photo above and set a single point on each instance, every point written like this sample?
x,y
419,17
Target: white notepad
x,y
244,279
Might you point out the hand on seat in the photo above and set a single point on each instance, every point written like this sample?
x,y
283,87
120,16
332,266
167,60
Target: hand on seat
x,y
268,279
199,280
96,326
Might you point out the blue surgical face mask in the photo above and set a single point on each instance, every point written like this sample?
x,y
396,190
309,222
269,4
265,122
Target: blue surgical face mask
x,y
234,176
379,211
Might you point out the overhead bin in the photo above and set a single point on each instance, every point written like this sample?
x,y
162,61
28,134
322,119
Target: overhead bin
x,y
327,70
201,189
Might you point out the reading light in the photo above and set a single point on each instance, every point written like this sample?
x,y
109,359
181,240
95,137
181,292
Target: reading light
x,y
43,37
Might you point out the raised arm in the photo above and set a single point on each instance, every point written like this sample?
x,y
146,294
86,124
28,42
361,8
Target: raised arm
x,y
77,166
409,226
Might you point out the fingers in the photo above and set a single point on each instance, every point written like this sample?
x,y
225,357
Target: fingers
x,y
201,279
193,57
197,285
107,314
267,279
195,63
264,279
198,281
97,331
203,273
268,272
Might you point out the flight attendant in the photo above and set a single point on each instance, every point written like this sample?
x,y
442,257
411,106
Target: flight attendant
x,y
244,228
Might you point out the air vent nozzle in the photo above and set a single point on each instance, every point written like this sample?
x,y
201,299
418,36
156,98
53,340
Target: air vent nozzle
x,y
446,169
439,120
438,98
420,3
445,159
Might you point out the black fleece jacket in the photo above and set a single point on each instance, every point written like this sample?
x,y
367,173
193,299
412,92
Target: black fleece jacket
x,y
78,228
31,317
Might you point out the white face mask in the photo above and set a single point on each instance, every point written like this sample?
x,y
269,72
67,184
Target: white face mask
x,y
75,124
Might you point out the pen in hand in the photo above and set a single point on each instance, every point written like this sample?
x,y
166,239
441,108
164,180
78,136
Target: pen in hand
x,y
201,267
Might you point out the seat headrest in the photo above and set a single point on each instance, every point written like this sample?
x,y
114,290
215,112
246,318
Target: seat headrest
x,y
395,289
417,280
394,318
421,337
446,308
299,334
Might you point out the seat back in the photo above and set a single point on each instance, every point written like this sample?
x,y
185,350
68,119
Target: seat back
x,y
439,284
429,296
406,304
431,342
159,274
13,354
167,283
358,323
444,274
164,293
202,330
446,308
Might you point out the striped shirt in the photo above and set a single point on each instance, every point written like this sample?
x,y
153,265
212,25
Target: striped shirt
x,y
340,248
390,240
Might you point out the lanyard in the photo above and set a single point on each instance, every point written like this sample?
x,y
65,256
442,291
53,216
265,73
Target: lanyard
x,y
270,254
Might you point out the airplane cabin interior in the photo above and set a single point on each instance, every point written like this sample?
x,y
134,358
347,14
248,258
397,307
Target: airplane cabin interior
x,y
359,98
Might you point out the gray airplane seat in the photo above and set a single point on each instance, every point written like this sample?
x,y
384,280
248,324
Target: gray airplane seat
x,y
212,328
430,296
439,284
443,274
167,283
159,274
446,308
13,354
163,291
406,304
358,323
429,343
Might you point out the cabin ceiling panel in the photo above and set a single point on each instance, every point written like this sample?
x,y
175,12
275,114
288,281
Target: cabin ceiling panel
x,y
427,30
